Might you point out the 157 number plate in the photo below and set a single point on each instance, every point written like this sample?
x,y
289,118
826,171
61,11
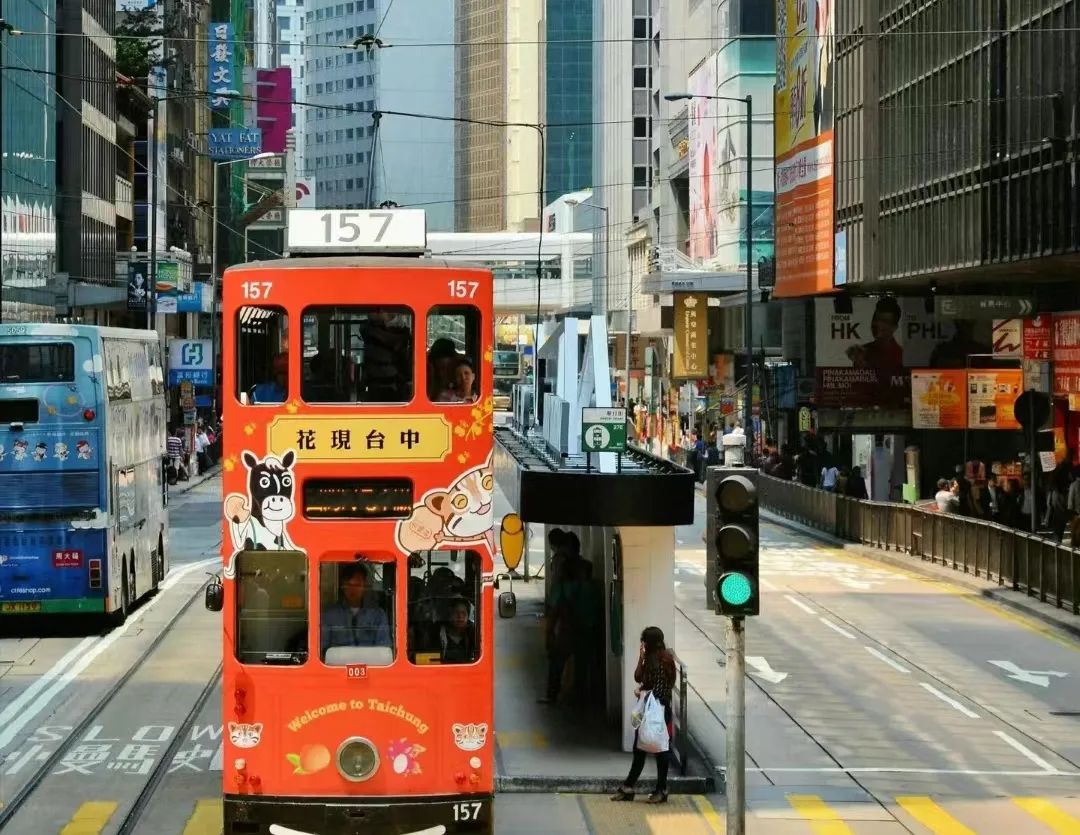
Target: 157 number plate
x,y
20,607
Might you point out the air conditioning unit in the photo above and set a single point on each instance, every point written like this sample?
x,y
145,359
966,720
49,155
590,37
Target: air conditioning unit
x,y
177,155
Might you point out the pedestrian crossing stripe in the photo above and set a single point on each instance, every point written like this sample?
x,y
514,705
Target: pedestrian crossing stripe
x,y
932,816
823,819
89,819
1046,812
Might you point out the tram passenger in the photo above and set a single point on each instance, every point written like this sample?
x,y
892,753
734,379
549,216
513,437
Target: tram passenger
x,y
274,390
465,380
348,623
442,359
386,360
457,637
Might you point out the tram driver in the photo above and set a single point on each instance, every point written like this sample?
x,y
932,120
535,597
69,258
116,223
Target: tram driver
x,y
348,622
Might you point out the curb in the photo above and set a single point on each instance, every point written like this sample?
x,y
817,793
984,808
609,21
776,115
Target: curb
x,y
182,487
543,784
1028,605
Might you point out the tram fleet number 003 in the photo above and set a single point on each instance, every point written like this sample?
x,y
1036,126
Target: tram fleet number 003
x,y
468,811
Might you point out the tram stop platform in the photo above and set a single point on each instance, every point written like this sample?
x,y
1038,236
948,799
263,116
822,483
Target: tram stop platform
x,y
624,520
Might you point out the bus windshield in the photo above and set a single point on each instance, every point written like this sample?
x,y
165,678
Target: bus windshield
x,y
40,362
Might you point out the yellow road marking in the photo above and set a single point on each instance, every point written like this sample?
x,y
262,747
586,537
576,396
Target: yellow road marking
x,y
1045,811
710,814
521,739
679,816
932,816
207,819
823,819
89,819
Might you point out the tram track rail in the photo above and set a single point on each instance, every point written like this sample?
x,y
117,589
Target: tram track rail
x,y
11,809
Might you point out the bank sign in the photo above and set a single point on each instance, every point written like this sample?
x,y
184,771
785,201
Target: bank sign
x,y
234,143
190,359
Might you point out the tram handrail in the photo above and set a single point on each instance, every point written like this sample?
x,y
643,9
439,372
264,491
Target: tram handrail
x,y
1027,562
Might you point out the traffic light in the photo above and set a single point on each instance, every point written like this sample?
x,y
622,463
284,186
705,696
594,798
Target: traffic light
x,y
735,541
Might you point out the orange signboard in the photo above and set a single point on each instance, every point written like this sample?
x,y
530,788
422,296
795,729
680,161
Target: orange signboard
x,y
938,399
991,395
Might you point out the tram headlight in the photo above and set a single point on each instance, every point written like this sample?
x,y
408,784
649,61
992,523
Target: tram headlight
x,y
357,759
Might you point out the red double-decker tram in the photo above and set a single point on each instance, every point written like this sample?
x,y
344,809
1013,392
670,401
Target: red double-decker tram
x,y
357,583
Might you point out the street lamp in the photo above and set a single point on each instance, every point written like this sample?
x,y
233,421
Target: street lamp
x,y
748,320
607,280
214,266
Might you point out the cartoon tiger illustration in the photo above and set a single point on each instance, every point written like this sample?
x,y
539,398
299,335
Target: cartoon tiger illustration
x,y
460,515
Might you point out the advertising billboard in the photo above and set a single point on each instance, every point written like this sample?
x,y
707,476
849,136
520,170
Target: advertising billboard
x,y
691,336
991,395
1066,329
864,358
274,108
803,106
939,399
704,184
167,285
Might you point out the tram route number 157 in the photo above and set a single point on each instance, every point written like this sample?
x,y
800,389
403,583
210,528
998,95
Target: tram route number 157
x,y
469,811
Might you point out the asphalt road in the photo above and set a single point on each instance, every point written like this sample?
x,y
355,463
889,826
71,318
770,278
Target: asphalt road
x,y
878,702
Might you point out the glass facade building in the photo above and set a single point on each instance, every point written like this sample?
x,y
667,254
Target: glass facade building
x,y
28,142
569,96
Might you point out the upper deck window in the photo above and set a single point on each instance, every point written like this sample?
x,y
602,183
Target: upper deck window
x,y
454,354
262,364
48,362
358,355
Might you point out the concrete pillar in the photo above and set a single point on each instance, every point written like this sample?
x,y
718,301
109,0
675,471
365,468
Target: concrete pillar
x,y
648,562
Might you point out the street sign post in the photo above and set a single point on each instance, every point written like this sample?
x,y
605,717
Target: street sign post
x,y
603,430
983,307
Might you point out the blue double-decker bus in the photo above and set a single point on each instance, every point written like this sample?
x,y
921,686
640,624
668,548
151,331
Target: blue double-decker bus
x,y
83,518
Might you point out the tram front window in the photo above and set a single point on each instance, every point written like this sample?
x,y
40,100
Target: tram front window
x,y
357,619
271,607
444,607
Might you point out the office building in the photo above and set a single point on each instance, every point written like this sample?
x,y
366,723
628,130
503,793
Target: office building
x,y
411,159
568,95
290,37
28,143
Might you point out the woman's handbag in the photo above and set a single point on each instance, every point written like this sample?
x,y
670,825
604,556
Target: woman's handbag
x,y
653,732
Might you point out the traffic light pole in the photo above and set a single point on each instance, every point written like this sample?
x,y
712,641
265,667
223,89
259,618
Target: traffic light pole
x,y
735,773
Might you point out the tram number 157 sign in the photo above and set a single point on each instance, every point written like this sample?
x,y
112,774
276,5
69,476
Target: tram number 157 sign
x,y
343,231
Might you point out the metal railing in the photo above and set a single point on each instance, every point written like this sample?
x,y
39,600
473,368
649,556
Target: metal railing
x,y
680,742
1034,564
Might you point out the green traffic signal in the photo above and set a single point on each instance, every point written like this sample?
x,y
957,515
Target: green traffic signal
x,y
735,589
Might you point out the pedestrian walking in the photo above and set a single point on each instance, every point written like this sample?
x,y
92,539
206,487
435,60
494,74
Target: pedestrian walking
x,y
655,674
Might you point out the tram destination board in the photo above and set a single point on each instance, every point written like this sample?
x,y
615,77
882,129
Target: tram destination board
x,y
603,429
357,231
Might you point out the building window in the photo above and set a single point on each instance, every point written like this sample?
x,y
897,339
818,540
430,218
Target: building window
x,y
348,133
641,77
351,31
349,161
349,83
284,23
339,10
641,27
641,127
349,8
641,176
348,58
349,183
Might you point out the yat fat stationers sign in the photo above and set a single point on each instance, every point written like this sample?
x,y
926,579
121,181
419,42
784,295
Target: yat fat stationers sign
x,y
234,143
603,430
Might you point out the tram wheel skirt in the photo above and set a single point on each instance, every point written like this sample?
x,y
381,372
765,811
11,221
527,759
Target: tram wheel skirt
x,y
263,815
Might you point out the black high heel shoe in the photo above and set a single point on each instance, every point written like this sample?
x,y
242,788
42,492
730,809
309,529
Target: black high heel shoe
x,y
622,795
657,797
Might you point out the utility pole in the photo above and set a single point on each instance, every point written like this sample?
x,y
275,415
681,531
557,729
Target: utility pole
x,y
735,773
151,310
748,410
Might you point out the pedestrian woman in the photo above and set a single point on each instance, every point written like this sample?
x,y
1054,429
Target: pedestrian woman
x,y
655,673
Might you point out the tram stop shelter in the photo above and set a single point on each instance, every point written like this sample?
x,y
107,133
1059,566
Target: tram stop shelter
x,y
623,508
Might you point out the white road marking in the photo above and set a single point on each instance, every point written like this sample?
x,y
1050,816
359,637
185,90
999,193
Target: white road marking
x,y
765,584
1037,677
1027,752
880,656
887,770
763,670
837,628
949,700
32,701
794,601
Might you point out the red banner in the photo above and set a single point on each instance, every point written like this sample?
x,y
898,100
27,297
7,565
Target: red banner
x,y
67,559
1038,338
1066,329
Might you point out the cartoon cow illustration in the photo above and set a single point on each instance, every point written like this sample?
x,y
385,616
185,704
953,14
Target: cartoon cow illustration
x,y
257,522
457,516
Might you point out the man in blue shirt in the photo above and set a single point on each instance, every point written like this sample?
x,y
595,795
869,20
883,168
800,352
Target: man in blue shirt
x,y
348,623
275,390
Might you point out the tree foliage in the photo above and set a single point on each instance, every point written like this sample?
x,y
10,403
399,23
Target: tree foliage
x,y
140,35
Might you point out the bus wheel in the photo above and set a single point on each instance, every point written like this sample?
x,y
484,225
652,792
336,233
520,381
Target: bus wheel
x,y
157,566
120,615
132,596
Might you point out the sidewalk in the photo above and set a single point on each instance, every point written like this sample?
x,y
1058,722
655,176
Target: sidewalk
x,y
552,748
182,487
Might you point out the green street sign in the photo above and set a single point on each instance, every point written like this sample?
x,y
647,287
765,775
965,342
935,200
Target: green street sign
x,y
603,430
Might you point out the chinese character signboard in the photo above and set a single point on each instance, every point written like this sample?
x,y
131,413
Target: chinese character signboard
x,y
603,430
190,360
1066,328
220,65
234,143
691,336
938,399
803,103
1039,338
343,439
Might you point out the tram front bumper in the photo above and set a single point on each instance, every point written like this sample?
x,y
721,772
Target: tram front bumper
x,y
263,815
